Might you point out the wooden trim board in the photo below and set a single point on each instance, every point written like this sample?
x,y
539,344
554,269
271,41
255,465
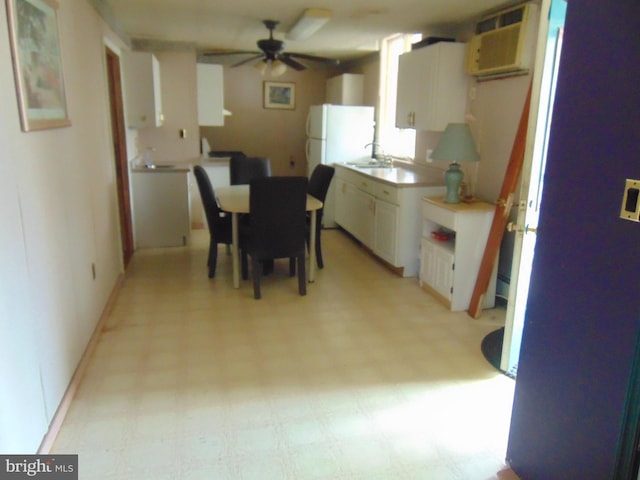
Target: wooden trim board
x,y
503,207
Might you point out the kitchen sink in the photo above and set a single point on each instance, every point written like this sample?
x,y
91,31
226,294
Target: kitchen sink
x,y
160,166
368,165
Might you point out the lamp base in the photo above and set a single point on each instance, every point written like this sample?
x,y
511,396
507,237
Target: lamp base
x,y
452,179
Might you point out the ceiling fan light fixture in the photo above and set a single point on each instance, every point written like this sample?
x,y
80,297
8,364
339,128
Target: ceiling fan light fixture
x,y
278,68
261,66
311,20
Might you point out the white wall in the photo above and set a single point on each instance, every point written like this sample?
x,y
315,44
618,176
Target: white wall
x,y
59,217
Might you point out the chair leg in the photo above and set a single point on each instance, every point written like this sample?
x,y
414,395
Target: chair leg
x,y
245,265
319,250
292,266
213,258
257,272
268,266
302,275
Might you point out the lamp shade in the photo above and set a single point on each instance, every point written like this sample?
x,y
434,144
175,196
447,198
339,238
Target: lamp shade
x,y
456,145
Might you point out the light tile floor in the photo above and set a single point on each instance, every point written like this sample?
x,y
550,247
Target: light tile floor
x,y
367,377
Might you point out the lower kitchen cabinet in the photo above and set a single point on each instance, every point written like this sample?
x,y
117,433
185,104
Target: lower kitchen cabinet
x,y
386,226
161,207
449,268
383,216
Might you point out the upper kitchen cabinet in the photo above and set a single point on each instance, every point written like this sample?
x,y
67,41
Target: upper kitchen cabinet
x,y
346,89
432,87
142,89
210,95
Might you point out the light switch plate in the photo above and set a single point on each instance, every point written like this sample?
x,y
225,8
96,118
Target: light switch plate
x,y
630,209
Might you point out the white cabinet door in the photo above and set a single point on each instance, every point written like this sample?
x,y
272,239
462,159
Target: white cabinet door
x,y
161,209
210,95
412,72
142,91
345,89
432,87
387,227
362,218
342,206
436,270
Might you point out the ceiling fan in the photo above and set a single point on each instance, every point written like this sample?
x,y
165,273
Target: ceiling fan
x,y
272,54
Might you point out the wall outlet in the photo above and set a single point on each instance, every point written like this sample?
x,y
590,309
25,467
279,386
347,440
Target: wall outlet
x,y
428,156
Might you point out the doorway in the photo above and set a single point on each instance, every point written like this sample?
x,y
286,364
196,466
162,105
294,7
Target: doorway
x,y
120,154
531,187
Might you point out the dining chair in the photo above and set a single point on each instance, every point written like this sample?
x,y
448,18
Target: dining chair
x,y
219,225
318,187
277,226
243,169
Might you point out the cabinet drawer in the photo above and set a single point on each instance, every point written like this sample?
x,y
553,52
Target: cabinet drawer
x,y
441,216
388,193
365,184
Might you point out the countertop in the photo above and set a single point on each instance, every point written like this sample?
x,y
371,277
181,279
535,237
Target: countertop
x,y
400,175
161,169
473,205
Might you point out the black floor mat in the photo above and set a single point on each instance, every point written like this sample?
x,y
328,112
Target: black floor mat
x,y
492,350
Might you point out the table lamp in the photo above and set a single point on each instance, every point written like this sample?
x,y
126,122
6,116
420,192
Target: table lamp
x,y
456,145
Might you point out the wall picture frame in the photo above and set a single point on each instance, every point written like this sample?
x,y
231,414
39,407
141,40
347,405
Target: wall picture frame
x,y
37,64
280,95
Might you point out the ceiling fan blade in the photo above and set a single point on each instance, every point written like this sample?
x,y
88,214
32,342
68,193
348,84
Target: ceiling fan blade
x,y
248,60
287,60
325,60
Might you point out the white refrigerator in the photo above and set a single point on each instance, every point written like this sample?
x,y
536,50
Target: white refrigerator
x,y
338,134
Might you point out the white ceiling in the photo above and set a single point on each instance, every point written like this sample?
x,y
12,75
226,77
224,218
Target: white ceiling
x,y
354,30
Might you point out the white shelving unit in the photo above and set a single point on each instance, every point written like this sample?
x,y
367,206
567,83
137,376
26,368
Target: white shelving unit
x,y
449,269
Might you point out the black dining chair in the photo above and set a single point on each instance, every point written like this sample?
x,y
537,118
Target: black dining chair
x,y
244,169
277,226
318,187
219,226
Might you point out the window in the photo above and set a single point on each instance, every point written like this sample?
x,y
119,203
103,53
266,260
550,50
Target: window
x,y
395,141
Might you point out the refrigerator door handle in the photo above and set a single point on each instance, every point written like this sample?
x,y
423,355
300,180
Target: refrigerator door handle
x,y
308,125
308,150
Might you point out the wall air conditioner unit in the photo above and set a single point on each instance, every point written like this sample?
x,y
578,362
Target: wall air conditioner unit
x,y
503,42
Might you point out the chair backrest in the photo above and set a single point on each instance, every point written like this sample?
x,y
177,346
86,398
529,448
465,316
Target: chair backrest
x,y
320,181
278,216
211,208
244,169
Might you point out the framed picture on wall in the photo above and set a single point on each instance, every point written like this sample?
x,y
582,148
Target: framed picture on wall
x,y
281,95
37,63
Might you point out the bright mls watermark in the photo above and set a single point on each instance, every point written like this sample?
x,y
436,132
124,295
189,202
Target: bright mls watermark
x,y
51,467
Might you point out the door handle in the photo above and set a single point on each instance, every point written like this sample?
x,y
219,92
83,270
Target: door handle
x,y
514,227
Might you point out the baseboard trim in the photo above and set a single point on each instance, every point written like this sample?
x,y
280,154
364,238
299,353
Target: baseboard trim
x,y
63,408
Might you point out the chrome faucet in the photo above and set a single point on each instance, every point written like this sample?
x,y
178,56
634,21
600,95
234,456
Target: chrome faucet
x,y
380,155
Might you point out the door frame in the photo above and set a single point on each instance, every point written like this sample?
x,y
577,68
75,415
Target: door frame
x,y
116,108
545,74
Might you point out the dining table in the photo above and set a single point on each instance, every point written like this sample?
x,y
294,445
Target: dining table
x,y
234,199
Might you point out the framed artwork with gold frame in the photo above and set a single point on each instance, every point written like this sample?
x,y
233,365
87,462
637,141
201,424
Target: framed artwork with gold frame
x,y
37,64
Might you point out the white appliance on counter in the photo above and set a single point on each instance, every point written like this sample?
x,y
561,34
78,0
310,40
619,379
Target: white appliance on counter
x,y
338,134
